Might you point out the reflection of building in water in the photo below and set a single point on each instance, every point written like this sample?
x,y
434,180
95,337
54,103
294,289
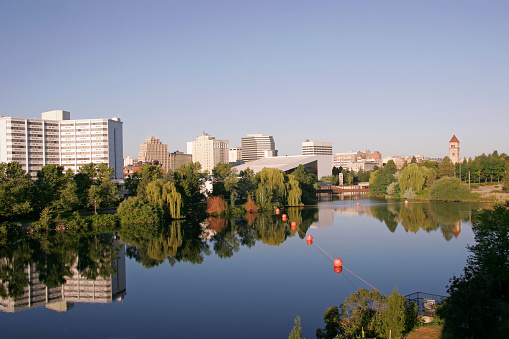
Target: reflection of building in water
x,y
35,294
457,229
325,218
76,289
354,210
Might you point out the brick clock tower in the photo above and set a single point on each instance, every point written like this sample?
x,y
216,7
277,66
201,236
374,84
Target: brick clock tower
x,y
454,150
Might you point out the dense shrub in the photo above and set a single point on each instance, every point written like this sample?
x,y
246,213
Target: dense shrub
x,y
449,189
135,210
215,205
76,221
9,230
103,220
250,206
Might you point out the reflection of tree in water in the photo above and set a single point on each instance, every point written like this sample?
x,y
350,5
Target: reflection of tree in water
x,y
96,255
53,256
225,241
414,217
426,216
386,215
270,230
304,217
180,241
13,262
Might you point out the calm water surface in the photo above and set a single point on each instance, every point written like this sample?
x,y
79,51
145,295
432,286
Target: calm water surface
x,y
228,278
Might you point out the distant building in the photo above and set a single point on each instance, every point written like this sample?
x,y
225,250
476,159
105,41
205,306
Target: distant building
x,y
316,148
321,165
356,161
257,146
454,149
56,139
129,161
178,159
154,150
208,151
131,169
235,156
399,160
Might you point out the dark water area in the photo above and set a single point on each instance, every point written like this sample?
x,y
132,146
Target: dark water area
x,y
245,277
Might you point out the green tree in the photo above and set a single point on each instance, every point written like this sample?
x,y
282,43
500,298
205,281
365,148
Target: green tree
x,y
382,178
246,185
16,189
479,299
68,195
294,192
273,181
414,177
165,195
308,183
332,329
48,185
189,182
446,168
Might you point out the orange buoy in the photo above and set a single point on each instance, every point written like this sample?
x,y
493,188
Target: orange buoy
x,y
309,242
277,210
309,237
338,262
294,226
338,269
284,216
293,223
406,202
358,204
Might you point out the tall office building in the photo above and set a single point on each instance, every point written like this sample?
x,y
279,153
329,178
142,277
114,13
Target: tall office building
x,y
55,139
316,148
153,149
257,146
208,151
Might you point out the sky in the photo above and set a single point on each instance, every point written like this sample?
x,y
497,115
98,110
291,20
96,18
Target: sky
x,y
401,77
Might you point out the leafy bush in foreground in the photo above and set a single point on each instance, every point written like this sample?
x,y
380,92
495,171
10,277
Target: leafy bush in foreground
x,y
449,189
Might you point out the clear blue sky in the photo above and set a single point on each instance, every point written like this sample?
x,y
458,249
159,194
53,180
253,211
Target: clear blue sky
x,y
400,77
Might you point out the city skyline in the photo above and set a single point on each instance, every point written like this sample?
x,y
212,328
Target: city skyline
x,y
398,77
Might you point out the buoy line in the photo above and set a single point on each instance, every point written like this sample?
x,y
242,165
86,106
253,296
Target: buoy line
x,y
338,263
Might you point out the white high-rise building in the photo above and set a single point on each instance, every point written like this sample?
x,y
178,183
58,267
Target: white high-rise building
x,y
55,139
257,146
235,154
316,148
208,151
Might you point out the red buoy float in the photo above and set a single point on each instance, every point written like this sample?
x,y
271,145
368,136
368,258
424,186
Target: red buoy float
x,y
277,210
338,262
338,269
309,237
294,225
309,242
358,204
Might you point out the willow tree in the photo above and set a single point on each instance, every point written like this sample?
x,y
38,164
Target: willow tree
x,y
273,180
413,176
165,194
294,192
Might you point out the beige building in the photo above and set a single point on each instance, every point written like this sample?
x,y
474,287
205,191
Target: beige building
x,y
56,139
153,149
454,150
316,148
208,151
178,159
235,154
356,161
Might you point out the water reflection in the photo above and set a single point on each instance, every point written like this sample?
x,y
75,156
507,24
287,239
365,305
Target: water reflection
x,y
56,270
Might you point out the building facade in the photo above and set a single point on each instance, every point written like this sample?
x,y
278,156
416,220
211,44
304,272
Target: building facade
x,y
454,150
208,151
257,146
56,139
316,148
178,159
153,149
